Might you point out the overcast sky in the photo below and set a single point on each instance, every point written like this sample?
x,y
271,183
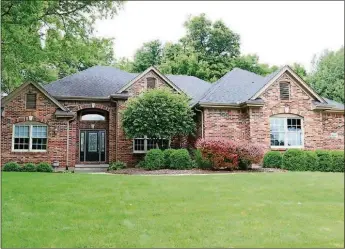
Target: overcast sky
x,y
278,32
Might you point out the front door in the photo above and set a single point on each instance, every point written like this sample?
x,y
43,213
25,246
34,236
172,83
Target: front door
x,y
92,146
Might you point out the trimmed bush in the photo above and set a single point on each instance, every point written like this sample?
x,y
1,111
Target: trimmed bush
x,y
293,159
325,160
117,165
311,161
244,164
140,164
154,159
201,163
249,153
28,167
273,159
11,166
180,159
222,154
337,161
44,167
167,153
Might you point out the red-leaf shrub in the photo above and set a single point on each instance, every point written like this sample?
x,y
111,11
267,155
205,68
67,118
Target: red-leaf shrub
x,y
221,153
251,152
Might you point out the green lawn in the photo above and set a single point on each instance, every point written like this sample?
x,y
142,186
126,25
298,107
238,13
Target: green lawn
x,y
240,210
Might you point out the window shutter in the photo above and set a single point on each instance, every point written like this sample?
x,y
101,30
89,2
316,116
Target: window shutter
x,y
284,90
151,83
31,101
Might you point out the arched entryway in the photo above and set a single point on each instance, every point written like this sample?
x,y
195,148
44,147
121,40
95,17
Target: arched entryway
x,y
93,130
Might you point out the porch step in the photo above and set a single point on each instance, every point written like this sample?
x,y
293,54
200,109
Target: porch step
x,y
88,168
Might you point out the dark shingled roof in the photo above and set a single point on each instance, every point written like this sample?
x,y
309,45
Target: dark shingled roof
x,y
335,104
237,86
98,81
102,81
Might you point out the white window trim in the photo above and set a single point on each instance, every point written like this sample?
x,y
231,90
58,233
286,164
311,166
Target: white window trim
x,y
30,138
145,138
286,117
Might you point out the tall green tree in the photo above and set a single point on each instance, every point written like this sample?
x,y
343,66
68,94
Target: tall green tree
x,y
251,63
157,114
327,76
300,70
44,40
150,54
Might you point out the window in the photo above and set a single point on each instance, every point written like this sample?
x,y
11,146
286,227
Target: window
x,y
31,101
29,137
92,117
151,83
142,145
284,90
286,132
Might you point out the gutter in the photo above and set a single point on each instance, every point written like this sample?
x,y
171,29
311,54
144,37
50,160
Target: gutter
x,y
202,121
67,149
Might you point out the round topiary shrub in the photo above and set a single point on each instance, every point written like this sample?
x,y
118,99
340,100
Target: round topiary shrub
x,y
325,160
44,167
154,159
28,167
311,161
272,159
337,161
293,159
11,166
167,154
180,159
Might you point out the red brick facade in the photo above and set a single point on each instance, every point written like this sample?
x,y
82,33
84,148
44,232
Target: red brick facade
x,y
322,129
252,123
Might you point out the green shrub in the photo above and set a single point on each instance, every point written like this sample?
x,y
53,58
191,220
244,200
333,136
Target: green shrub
x,y
117,165
44,167
167,153
201,163
180,159
28,167
337,161
293,159
11,166
311,161
154,159
325,160
273,159
140,164
244,164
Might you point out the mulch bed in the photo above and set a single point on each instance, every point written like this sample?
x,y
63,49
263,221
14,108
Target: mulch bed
x,y
140,171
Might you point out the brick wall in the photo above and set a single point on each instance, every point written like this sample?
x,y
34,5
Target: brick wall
x,y
253,124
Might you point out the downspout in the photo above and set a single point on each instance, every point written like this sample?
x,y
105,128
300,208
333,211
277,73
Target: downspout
x,y
67,152
202,121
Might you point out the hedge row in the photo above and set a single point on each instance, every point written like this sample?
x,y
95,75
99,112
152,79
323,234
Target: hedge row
x,y
167,159
299,160
28,167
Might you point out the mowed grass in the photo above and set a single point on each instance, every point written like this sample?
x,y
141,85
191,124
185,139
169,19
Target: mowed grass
x,y
239,210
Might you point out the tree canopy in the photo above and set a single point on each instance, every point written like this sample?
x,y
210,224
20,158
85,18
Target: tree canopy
x,y
45,40
158,113
327,76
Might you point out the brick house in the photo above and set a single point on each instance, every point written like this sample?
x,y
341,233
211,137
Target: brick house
x,y
77,120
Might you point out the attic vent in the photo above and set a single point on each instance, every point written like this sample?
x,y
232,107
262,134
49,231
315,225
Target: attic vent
x,y
151,83
31,101
284,90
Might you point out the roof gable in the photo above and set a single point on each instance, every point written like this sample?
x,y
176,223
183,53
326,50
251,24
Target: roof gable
x,y
38,87
152,68
270,79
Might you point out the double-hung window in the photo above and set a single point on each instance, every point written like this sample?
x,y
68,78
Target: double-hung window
x,y
286,132
30,137
144,144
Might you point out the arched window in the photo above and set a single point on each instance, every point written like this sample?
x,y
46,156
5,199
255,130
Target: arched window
x,y
151,83
30,136
286,131
92,115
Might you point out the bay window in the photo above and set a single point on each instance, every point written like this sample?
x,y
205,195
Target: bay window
x,y
144,144
29,137
286,132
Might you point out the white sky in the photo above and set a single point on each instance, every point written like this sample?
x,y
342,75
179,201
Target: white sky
x,y
278,32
